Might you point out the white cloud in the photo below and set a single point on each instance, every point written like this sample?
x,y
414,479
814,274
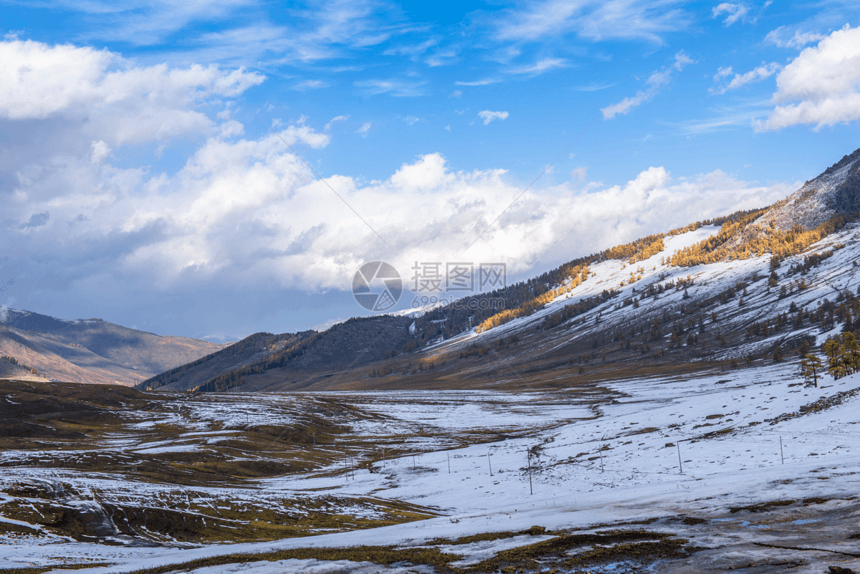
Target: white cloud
x,y
397,88
442,58
456,94
413,50
410,120
821,86
244,212
310,85
733,12
100,151
248,212
541,66
365,127
122,102
484,82
799,40
756,75
722,73
593,20
334,120
149,21
655,82
489,116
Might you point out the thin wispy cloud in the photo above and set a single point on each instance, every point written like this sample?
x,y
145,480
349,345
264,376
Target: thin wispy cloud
x,y
310,85
411,50
442,58
484,82
593,20
149,22
592,87
731,12
364,129
756,75
540,67
782,38
656,81
335,120
397,88
489,116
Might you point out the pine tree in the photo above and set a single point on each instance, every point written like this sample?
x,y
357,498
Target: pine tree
x,y
810,367
833,349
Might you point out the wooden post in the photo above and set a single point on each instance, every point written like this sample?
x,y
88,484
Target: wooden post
x,y
529,456
781,456
680,466
489,463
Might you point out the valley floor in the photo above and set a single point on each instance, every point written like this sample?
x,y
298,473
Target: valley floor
x,y
744,469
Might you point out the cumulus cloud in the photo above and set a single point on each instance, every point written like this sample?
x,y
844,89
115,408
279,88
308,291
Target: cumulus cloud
x,y
123,102
821,86
655,81
756,75
248,212
489,116
243,212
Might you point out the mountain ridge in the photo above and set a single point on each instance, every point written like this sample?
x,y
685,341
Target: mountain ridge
x,y
724,288
93,350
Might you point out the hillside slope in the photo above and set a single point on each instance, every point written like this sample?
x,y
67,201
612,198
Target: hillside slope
x,y
303,358
748,288
93,351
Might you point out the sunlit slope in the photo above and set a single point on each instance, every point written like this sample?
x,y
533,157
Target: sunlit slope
x,y
93,351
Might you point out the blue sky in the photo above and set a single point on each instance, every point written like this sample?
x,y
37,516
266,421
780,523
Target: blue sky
x,y
142,184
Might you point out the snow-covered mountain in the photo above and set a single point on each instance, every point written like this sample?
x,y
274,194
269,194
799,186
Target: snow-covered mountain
x,y
743,290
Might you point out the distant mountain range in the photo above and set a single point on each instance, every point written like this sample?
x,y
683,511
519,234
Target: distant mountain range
x,y
38,347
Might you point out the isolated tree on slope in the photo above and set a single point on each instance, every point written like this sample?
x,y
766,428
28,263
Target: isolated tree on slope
x,y
810,367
